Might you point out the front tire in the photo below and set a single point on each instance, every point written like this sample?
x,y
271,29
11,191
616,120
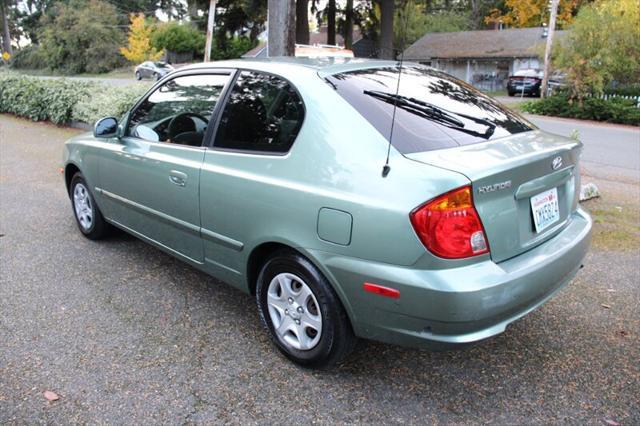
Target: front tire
x,y
88,217
138,76
303,314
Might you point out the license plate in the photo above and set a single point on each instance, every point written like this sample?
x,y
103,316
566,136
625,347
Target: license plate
x,y
545,209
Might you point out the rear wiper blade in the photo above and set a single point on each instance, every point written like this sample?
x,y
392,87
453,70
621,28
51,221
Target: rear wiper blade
x,y
433,113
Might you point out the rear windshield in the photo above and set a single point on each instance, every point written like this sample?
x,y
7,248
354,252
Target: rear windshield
x,y
434,110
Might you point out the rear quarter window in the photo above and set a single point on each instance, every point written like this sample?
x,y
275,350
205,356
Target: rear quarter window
x,y
434,110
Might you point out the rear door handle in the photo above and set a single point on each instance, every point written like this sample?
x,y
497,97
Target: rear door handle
x,y
178,178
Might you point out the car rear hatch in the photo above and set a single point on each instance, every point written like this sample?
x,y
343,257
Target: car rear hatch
x,y
525,186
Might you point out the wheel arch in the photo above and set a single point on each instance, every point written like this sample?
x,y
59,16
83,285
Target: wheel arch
x,y
69,170
259,255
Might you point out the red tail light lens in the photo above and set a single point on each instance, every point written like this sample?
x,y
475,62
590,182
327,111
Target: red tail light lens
x,y
449,225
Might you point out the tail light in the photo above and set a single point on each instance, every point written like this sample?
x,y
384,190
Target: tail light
x,y
449,225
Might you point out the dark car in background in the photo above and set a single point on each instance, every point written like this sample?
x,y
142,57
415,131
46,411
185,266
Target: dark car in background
x,y
152,69
525,82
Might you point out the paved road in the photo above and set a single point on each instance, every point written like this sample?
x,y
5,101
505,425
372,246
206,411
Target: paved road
x,y
609,150
126,334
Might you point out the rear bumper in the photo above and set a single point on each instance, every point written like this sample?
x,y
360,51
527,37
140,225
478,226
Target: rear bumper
x,y
527,89
457,305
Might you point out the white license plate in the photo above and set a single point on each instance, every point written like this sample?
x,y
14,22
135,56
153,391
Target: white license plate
x,y
545,209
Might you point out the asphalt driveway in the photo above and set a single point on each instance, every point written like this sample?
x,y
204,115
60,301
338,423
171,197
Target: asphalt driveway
x,y
126,334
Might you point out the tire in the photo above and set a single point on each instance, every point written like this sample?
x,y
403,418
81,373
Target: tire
x,y
87,214
288,271
138,76
511,94
156,76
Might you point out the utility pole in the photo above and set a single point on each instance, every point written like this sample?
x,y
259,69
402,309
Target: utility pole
x,y
281,27
210,21
547,50
6,36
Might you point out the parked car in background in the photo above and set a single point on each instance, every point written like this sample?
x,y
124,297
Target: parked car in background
x,y
151,69
281,178
525,82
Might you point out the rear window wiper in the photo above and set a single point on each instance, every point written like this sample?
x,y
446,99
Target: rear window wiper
x,y
433,113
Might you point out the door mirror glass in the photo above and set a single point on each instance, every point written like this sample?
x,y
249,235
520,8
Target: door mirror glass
x,y
105,127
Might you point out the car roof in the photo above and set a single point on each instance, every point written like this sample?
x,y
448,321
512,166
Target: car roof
x,y
323,65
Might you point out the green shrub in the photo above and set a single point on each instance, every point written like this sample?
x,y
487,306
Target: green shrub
x,y
79,36
179,38
614,110
39,99
29,57
108,102
232,49
62,101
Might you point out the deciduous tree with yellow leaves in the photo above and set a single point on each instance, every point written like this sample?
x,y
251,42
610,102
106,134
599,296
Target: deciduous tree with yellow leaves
x,y
603,47
532,13
139,48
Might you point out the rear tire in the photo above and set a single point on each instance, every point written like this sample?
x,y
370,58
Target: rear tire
x,y
315,332
88,216
156,76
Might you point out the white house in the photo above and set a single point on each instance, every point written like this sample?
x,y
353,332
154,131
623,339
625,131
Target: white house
x,y
482,58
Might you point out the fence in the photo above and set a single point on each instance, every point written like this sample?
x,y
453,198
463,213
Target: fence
x,y
605,96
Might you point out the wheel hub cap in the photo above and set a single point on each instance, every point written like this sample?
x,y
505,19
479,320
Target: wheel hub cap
x,y
82,206
294,312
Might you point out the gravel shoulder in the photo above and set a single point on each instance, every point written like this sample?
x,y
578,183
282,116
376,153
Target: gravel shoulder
x,y
126,334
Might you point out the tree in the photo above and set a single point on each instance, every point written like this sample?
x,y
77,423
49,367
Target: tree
x,y
413,21
386,29
179,38
81,36
602,48
281,27
139,48
331,22
348,25
302,21
531,13
6,33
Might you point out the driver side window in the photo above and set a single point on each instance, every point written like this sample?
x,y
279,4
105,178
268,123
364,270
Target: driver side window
x,y
179,111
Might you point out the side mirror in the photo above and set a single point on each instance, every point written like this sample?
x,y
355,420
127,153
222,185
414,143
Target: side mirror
x,y
105,128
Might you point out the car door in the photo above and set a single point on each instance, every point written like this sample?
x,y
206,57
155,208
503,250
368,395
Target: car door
x,y
150,177
144,71
260,120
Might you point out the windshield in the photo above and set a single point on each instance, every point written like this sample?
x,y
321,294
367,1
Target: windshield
x,y
161,64
434,110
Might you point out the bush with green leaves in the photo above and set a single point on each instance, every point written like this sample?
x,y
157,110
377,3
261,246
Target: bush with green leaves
x,y
39,100
62,100
81,36
179,38
108,102
29,57
232,48
614,110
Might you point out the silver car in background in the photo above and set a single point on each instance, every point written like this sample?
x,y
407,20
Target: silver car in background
x,y
152,69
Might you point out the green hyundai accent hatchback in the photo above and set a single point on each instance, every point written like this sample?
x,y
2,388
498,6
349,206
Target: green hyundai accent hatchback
x,y
352,198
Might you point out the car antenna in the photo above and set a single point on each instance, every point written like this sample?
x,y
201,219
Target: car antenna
x,y
387,168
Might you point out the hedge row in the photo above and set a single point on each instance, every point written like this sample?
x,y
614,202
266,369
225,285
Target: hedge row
x,y
613,110
62,100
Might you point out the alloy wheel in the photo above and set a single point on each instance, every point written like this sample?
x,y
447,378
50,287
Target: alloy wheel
x,y
83,206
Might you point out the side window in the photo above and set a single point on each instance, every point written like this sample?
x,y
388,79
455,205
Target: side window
x,y
263,113
178,112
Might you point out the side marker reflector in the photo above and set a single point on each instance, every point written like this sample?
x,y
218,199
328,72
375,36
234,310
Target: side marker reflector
x,y
381,290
